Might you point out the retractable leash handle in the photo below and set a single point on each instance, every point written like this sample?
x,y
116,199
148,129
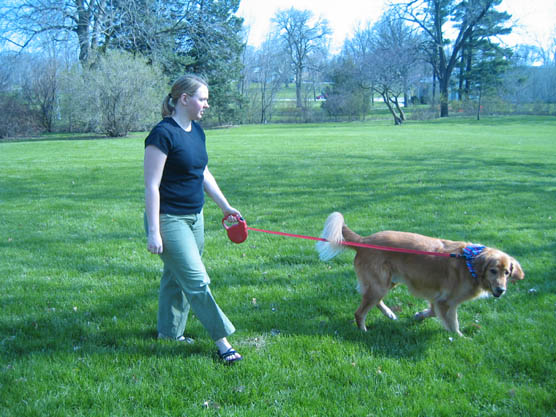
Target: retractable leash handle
x,y
236,227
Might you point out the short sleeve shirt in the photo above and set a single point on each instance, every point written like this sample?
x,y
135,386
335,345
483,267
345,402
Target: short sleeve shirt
x,y
181,186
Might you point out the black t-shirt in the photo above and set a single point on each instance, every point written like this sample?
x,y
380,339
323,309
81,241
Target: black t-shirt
x,y
181,186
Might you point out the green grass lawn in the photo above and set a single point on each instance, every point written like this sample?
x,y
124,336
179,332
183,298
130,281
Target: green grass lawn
x,y
79,290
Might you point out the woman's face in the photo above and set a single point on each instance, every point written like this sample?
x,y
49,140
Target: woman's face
x,y
197,103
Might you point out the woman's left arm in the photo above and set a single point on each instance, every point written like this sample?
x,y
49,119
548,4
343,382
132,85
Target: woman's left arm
x,y
213,190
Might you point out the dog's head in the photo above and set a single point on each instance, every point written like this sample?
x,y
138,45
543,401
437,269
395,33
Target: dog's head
x,y
495,269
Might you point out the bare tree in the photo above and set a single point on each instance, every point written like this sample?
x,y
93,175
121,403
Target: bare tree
x,y
316,68
386,56
42,89
546,50
302,35
25,21
151,27
396,50
270,75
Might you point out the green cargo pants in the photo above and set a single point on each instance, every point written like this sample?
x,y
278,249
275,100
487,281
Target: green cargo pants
x,y
185,282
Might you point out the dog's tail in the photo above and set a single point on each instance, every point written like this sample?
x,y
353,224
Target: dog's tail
x,y
335,232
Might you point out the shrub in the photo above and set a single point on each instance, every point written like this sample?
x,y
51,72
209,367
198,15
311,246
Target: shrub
x,y
18,118
127,93
77,104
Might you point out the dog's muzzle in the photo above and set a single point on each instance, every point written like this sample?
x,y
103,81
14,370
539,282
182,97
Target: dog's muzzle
x,y
498,291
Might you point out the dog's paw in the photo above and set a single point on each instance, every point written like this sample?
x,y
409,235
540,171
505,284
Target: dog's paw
x,y
390,314
361,325
422,315
386,311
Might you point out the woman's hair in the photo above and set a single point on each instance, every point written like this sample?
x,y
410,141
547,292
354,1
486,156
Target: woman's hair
x,y
188,84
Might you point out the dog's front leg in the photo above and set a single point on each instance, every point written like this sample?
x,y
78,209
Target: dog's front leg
x,y
449,316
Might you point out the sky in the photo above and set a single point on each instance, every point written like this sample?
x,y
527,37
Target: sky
x,y
535,19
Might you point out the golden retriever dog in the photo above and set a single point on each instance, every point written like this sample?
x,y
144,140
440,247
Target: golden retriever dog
x,y
444,281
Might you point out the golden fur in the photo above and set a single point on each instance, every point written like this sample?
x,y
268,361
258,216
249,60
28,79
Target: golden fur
x,y
444,282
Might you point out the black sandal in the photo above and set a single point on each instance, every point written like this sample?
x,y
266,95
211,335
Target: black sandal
x,y
230,352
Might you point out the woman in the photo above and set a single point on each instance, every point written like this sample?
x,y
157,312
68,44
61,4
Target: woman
x,y
176,174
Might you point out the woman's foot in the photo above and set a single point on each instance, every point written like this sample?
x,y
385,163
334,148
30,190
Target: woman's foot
x,y
182,338
226,352
230,356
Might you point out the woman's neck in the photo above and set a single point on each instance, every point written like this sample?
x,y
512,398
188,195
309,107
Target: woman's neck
x,y
183,121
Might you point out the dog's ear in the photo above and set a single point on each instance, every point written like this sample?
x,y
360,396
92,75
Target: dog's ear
x,y
516,273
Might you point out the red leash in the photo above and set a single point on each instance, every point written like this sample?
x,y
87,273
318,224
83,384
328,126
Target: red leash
x,y
237,233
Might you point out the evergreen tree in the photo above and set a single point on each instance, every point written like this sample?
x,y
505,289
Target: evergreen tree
x,y
480,43
433,17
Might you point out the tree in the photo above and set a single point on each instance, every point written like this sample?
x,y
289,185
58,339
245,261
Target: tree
x,y
433,17
302,35
213,34
349,94
41,88
201,36
479,44
395,51
270,74
485,77
24,21
386,56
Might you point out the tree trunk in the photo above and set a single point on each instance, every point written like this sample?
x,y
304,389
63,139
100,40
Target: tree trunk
x,y
443,96
298,78
433,88
468,68
83,19
479,104
299,101
263,104
399,109
461,75
387,101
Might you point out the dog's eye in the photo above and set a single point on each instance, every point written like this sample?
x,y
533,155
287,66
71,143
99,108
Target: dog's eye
x,y
493,271
506,272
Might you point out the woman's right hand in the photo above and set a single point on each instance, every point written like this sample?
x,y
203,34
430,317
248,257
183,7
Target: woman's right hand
x,y
154,243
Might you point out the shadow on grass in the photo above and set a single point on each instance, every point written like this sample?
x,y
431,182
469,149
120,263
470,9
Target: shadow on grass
x,y
57,136
322,305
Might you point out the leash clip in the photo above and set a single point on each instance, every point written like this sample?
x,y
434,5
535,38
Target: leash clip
x,y
236,227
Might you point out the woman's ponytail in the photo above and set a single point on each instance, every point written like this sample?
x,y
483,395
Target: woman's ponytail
x,y
168,106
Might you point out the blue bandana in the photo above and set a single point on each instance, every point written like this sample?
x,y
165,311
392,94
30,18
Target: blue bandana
x,y
470,253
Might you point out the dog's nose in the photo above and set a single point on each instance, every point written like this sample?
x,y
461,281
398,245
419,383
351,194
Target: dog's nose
x,y
498,291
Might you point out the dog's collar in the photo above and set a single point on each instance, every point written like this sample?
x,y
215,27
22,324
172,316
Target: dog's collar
x,y
470,253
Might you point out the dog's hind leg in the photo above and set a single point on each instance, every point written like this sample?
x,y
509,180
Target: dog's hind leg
x,y
368,301
372,295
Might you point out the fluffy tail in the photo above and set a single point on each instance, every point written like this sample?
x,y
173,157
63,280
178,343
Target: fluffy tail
x,y
332,232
